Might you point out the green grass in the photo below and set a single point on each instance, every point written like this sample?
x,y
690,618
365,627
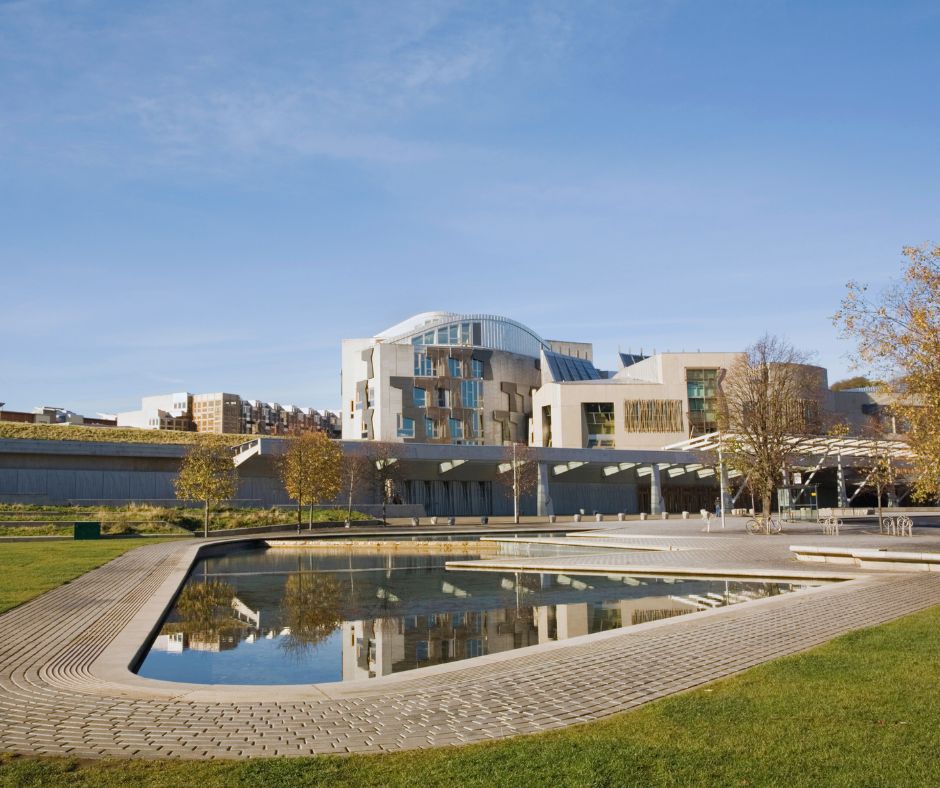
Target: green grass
x,y
859,711
60,432
28,569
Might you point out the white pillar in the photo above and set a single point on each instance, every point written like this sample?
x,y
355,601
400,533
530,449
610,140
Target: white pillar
x,y
656,490
840,483
543,496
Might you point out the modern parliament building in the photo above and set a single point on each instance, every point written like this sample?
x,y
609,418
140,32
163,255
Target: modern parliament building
x,y
445,378
449,385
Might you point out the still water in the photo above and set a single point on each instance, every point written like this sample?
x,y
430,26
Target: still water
x,y
295,616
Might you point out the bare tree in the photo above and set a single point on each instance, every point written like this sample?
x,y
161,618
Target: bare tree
x,y
385,471
518,474
770,406
373,466
356,474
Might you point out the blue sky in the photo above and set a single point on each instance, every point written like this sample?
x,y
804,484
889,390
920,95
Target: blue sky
x,y
211,195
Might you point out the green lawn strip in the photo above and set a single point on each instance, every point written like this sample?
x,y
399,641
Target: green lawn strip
x,y
859,711
28,569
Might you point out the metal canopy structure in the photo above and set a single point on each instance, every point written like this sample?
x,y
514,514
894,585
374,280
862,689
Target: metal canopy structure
x,y
823,444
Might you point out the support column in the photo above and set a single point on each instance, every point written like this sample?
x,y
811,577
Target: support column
x,y
543,496
656,490
840,483
726,502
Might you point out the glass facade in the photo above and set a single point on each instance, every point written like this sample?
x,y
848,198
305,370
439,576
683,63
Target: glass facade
x,y
702,385
454,368
456,429
465,334
420,397
476,368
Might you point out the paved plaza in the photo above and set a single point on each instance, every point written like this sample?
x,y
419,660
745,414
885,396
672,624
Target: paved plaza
x,y
65,687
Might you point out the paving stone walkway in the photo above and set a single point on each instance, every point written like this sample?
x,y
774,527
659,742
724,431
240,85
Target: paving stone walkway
x,y
65,690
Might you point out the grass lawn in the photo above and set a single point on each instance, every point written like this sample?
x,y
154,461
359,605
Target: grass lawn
x,y
860,711
28,569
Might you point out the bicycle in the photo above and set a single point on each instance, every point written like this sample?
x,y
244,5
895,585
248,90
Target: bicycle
x,y
756,525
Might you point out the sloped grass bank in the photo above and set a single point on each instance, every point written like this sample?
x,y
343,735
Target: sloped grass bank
x,y
28,569
859,711
145,518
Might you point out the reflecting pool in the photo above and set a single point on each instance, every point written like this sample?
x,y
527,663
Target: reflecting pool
x,y
302,616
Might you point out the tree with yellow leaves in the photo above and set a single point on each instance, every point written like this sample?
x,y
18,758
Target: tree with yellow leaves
x,y
311,470
207,474
898,335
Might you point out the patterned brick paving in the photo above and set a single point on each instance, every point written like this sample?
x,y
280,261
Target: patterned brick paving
x,y
56,698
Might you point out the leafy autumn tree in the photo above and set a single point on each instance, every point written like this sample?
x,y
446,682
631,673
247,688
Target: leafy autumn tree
x,y
770,406
898,334
518,474
207,474
311,470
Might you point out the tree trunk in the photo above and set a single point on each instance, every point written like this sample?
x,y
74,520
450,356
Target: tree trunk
x,y
310,517
765,504
878,492
352,483
300,515
205,522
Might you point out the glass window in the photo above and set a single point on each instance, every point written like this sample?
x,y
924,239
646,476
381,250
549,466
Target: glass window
x,y
456,429
431,428
471,393
420,398
423,365
442,398
476,368
702,386
466,338
599,417
453,367
406,427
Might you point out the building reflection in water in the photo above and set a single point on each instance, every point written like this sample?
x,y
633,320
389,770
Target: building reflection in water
x,y
386,616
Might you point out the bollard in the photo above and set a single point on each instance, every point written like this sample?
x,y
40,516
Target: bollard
x,y
642,515
551,518
434,521
685,515
598,518
576,518
415,521
621,516
452,521
665,515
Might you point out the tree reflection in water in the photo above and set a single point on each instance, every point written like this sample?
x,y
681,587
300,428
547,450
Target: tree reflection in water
x,y
205,612
312,609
